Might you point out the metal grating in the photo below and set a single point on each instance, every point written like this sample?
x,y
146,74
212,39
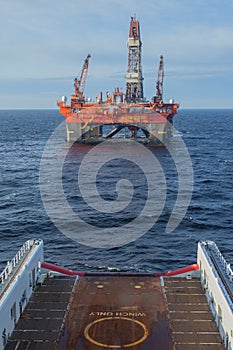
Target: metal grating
x,y
40,324
192,324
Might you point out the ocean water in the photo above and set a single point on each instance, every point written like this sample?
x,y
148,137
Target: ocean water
x,y
207,135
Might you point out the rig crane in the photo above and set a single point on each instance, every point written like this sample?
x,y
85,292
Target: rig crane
x,y
159,84
79,85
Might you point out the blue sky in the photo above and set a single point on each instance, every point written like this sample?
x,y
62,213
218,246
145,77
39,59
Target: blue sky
x,y
44,43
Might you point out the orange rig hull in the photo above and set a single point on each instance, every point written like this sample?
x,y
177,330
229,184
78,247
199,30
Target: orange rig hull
x,y
93,122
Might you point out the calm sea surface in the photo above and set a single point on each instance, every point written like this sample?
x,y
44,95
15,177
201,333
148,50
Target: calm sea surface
x,y
208,135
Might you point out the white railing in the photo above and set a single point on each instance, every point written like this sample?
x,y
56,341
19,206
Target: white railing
x,y
211,251
12,265
217,280
226,267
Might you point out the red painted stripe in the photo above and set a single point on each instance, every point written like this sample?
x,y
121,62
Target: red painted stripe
x,y
60,269
68,272
180,271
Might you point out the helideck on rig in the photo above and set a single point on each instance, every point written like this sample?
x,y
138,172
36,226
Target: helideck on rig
x,y
127,115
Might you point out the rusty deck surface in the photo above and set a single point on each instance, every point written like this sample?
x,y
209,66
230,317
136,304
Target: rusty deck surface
x,y
117,312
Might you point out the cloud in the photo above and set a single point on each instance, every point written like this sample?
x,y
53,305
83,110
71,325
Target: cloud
x,y
47,42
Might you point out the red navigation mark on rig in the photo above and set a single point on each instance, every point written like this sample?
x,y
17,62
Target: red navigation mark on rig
x,y
147,121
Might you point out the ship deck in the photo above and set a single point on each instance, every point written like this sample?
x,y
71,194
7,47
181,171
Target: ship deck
x,y
117,312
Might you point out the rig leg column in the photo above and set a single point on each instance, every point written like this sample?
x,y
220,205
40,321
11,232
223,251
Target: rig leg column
x,y
157,132
96,131
73,131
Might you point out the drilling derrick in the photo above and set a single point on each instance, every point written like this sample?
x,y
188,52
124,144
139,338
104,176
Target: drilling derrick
x,y
134,79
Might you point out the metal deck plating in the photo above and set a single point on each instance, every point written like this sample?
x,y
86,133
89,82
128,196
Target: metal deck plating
x,y
117,312
67,310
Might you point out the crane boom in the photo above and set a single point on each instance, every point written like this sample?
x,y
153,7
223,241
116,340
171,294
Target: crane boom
x,y
159,84
79,85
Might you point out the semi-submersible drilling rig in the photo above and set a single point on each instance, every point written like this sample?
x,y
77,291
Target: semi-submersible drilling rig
x,y
146,121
